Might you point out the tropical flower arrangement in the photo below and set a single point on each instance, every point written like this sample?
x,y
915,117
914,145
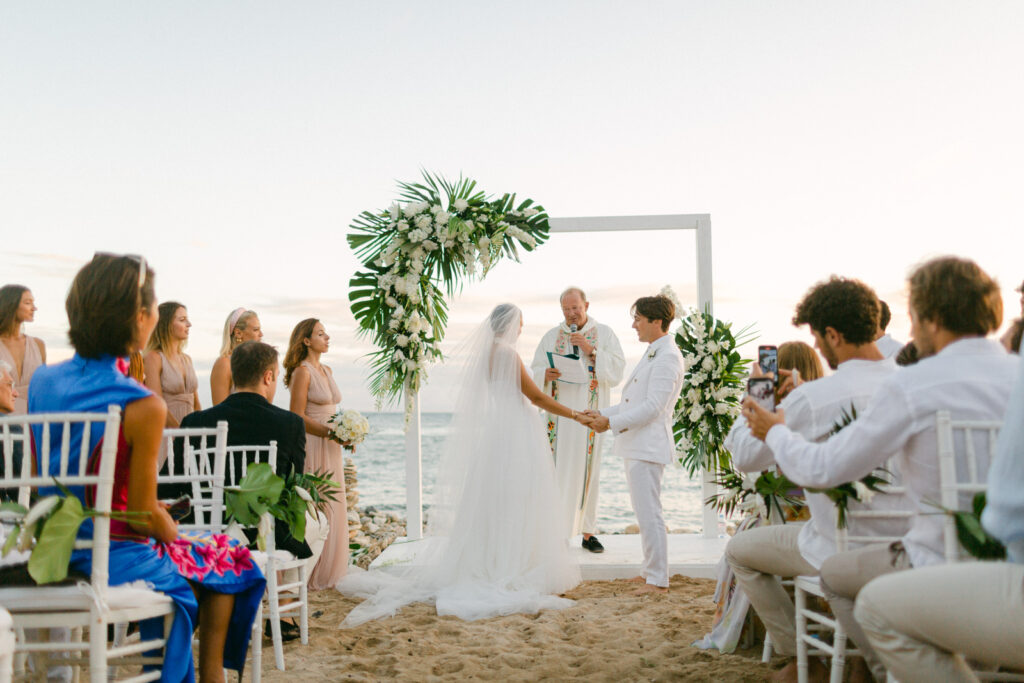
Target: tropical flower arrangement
x,y
766,495
348,427
712,387
973,537
423,248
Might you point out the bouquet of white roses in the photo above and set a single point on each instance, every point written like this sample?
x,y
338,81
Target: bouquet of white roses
x,y
348,427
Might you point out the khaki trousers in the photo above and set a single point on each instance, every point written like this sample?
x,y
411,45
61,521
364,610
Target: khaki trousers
x,y
842,577
759,557
917,620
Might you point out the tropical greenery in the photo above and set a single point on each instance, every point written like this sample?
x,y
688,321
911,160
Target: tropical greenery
x,y
287,498
437,236
767,495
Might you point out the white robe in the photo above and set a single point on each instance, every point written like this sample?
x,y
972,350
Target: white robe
x,y
577,450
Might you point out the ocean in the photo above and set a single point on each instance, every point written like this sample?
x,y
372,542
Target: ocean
x,y
380,466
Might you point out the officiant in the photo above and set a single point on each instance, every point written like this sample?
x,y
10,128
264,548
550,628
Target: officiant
x,y
577,449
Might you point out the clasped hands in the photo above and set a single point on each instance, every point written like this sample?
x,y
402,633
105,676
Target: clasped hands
x,y
593,419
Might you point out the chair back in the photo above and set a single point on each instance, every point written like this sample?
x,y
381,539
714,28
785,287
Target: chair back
x,y
236,463
966,450
861,516
196,457
71,468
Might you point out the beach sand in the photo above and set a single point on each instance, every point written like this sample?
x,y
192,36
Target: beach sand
x,y
608,635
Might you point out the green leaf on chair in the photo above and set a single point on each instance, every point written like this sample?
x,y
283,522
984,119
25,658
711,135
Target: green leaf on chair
x,y
52,553
256,492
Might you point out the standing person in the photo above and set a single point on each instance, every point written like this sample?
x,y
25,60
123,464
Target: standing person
x,y
212,580
24,353
577,448
493,544
315,397
168,369
242,325
883,340
642,424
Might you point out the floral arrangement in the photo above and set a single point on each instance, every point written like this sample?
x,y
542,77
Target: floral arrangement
x,y
712,388
348,427
765,495
423,248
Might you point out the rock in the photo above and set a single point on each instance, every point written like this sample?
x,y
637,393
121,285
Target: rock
x,y
632,529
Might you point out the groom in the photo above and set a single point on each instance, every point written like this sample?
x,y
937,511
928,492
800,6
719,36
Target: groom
x,y
642,424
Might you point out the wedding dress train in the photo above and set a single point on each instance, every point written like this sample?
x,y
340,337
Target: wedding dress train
x,y
496,539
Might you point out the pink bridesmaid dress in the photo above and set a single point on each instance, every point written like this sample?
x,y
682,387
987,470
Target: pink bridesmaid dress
x,y
33,359
323,454
179,389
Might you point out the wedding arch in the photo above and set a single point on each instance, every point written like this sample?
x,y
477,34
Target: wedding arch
x,y
441,235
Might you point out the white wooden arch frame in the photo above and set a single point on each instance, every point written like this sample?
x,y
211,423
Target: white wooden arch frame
x,y
700,223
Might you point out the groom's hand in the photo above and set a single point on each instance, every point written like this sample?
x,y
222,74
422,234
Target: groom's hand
x,y
598,422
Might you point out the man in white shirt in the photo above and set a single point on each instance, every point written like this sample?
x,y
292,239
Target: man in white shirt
x,y
923,623
642,424
576,447
884,341
843,317
954,305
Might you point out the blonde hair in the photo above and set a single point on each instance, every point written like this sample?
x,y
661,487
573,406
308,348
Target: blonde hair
x,y
798,355
237,320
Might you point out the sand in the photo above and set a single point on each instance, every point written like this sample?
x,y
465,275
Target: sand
x,y
608,635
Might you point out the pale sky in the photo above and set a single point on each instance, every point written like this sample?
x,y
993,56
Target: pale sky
x,y
233,142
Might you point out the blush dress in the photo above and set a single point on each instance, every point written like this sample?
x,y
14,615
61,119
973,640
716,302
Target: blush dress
x,y
33,359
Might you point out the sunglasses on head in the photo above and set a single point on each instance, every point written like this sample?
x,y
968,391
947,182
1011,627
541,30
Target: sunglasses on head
x,y
137,258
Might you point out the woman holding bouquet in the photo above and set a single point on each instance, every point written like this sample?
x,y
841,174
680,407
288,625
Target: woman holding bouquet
x,y
315,397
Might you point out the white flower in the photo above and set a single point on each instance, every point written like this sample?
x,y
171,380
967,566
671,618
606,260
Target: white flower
x,y
530,212
708,364
731,495
411,364
441,218
429,245
402,340
714,347
303,494
750,481
721,408
863,493
403,226
484,244
395,211
417,235
696,412
409,210
423,223
399,357
393,325
698,378
391,301
265,528
460,204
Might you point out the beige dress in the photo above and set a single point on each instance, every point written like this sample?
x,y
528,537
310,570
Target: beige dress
x,y
179,390
33,359
324,454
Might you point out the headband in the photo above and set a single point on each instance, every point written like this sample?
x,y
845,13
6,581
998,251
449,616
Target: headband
x,y
233,318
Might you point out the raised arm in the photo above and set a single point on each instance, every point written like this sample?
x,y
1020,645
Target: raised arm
x,y
537,397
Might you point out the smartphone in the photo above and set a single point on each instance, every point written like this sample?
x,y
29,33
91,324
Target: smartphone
x,y
762,390
179,508
768,359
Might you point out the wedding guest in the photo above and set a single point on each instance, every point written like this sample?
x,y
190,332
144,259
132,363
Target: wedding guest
x,y
24,353
242,325
168,369
642,424
843,316
1012,337
315,397
8,397
253,420
907,355
801,358
923,623
885,343
954,305
577,448
112,311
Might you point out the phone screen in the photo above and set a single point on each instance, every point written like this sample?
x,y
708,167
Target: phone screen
x,y
768,359
762,390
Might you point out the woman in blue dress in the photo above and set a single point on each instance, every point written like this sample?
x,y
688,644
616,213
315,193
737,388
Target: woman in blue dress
x,y
112,311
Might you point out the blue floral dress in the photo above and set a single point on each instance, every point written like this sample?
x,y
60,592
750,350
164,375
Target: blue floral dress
x,y
213,562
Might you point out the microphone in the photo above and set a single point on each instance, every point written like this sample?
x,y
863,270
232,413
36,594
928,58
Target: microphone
x,y
575,349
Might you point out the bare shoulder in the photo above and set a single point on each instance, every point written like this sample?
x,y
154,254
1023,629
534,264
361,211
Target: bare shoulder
x,y
151,407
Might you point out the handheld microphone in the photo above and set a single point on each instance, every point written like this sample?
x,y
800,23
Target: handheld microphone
x,y
575,349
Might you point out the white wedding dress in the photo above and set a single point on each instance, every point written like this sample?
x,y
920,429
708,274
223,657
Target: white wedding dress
x,y
496,543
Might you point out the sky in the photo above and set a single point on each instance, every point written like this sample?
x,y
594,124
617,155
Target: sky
x,y
232,143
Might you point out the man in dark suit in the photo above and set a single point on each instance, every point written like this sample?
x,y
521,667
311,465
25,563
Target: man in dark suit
x,y
254,421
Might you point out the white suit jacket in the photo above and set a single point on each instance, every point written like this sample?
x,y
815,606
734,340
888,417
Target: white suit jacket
x,y
642,422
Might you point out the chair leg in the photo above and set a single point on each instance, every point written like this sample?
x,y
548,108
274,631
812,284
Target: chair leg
x,y
275,615
801,631
838,654
766,651
257,646
304,608
97,649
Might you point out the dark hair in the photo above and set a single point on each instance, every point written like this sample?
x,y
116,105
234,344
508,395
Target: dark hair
x,y
655,308
907,355
1016,334
957,295
161,338
250,360
297,351
884,315
848,306
103,302
10,299
798,355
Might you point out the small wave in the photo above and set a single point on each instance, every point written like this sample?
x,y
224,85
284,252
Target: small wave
x,y
398,431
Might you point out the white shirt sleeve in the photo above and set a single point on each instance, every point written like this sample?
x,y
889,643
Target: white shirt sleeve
x,y
750,454
661,393
1004,511
854,452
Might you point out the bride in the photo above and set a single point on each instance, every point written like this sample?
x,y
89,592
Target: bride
x,y
495,543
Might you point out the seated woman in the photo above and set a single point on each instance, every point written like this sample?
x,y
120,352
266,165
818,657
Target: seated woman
x,y
112,312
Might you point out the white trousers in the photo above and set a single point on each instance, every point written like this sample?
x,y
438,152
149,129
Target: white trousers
x,y
917,620
644,480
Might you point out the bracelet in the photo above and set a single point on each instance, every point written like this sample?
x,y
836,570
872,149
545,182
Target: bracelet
x,y
573,415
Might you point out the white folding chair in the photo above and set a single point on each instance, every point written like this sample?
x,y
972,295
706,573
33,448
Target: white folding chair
x,y
95,605
197,457
960,478
271,560
6,646
812,624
